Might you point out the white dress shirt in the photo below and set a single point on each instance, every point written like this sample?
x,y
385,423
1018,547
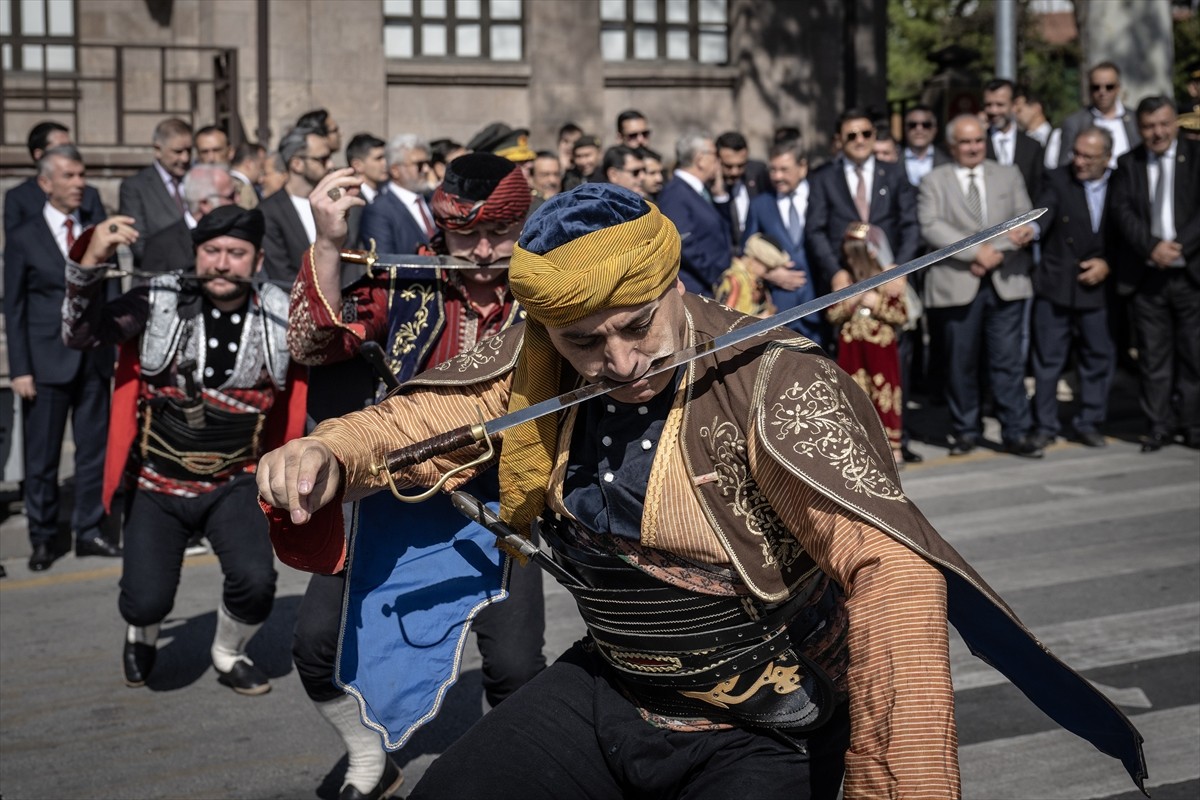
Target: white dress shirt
x,y
1116,126
916,166
964,183
868,172
800,198
411,201
304,209
1162,168
1004,143
56,221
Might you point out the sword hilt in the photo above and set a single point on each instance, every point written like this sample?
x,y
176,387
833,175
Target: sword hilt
x,y
365,257
439,445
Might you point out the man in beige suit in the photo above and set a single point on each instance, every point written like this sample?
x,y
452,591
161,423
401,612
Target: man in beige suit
x,y
978,297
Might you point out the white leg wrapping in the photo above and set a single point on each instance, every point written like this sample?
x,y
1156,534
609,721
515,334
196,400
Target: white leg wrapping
x,y
142,635
229,644
365,753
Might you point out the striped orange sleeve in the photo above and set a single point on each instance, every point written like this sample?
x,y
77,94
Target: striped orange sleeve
x,y
363,438
903,740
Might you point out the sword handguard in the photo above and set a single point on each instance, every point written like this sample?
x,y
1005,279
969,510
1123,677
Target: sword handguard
x,y
365,257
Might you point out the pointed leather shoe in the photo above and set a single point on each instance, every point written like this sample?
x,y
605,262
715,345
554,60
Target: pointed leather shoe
x,y
245,678
387,786
41,558
138,660
96,547
1155,442
1092,439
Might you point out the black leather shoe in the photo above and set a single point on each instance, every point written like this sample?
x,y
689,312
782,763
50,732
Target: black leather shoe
x,y
41,558
96,547
1025,447
138,660
387,786
909,456
245,678
1155,442
1092,439
962,445
1042,440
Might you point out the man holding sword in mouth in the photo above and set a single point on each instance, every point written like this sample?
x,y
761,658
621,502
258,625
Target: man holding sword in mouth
x,y
766,609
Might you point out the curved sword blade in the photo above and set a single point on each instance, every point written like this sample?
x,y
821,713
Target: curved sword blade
x,y
682,357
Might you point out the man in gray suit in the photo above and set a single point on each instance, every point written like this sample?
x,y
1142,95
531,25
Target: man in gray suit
x,y
154,196
1106,111
978,297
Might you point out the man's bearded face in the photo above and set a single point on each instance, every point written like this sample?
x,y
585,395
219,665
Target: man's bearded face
x,y
230,257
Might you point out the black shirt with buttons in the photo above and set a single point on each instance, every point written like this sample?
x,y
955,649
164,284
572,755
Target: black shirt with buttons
x,y
612,451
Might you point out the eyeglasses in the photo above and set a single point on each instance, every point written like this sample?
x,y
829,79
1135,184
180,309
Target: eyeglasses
x,y
851,136
634,172
638,134
1107,87
927,124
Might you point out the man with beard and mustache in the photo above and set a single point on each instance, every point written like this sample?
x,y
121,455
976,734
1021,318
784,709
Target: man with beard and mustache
x,y
204,385
422,319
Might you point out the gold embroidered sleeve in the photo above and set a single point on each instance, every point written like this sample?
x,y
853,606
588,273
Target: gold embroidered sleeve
x,y
364,438
903,738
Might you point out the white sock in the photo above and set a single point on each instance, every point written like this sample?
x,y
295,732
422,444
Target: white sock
x,y
229,643
366,756
147,634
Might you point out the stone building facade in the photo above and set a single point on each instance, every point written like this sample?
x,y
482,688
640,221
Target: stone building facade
x,y
111,69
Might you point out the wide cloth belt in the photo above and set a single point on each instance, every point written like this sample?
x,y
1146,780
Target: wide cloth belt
x,y
201,443
685,654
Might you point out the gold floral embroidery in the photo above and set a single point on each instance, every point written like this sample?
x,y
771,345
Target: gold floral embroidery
x,y
779,547
861,328
814,417
404,338
885,396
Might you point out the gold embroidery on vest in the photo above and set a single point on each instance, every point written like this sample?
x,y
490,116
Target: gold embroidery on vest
x,y
478,356
405,337
728,447
815,418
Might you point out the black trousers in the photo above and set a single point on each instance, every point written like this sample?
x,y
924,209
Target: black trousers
x,y
85,399
510,634
1166,311
571,733
985,331
1056,331
157,529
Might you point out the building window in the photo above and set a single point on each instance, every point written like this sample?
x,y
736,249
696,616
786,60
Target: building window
x,y
665,30
37,35
490,29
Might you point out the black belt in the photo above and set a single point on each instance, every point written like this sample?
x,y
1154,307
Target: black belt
x,y
184,444
685,654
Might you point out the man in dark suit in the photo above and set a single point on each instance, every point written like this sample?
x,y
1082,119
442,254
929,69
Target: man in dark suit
x,y
742,178
1106,111
399,220
920,154
1006,143
205,187
687,201
51,379
1161,263
780,216
367,156
977,298
289,221
26,200
154,196
1069,288
855,187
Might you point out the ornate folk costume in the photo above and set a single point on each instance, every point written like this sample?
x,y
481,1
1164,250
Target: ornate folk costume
x,y
422,318
200,394
769,480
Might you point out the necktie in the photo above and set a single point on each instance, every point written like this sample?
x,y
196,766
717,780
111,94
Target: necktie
x,y
1002,150
425,218
974,201
69,225
1160,200
794,229
177,195
860,195
707,195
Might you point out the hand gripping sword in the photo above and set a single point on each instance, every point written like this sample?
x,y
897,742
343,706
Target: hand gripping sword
x,y
482,432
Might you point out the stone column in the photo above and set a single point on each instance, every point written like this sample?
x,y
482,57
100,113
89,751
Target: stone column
x,y
566,73
1136,36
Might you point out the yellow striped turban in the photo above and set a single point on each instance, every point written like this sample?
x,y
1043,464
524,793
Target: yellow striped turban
x,y
594,248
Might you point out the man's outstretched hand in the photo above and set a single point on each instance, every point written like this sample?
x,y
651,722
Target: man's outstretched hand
x,y
302,476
